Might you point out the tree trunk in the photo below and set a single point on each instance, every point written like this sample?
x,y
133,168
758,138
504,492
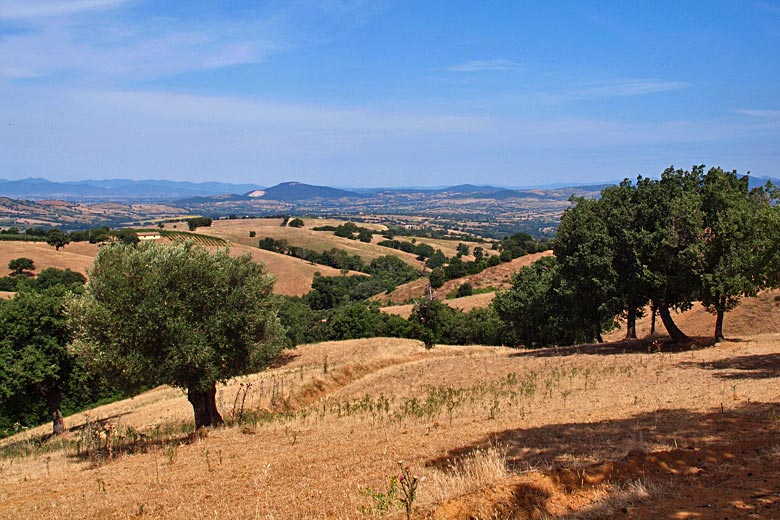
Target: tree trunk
x,y
631,322
675,333
597,328
719,326
721,311
204,404
54,402
653,312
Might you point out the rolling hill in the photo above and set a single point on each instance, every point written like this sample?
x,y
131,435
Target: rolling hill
x,y
633,430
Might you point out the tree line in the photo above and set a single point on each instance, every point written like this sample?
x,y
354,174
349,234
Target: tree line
x,y
665,243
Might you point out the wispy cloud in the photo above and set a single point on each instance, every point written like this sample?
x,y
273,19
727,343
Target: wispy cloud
x,y
628,87
761,113
25,9
496,65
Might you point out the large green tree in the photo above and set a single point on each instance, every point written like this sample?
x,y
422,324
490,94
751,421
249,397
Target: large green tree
x,y
539,306
34,360
733,266
584,250
618,209
176,314
669,226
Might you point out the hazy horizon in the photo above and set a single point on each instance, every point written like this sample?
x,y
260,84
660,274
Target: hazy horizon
x,y
386,94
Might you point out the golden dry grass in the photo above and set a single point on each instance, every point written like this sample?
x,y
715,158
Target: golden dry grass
x,y
465,304
293,275
498,277
586,432
77,256
237,231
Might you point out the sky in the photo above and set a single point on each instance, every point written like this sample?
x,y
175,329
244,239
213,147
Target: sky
x,y
387,93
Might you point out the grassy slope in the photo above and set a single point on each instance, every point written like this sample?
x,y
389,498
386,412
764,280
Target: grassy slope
x,y
237,231
670,424
293,275
75,256
498,277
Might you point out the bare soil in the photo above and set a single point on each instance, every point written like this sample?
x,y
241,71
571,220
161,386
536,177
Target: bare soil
x,y
629,429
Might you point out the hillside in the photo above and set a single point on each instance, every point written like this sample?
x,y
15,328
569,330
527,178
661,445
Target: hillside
x,y
76,256
628,430
498,277
237,231
293,276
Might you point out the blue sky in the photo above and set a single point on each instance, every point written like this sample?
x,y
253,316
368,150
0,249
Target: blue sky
x,y
387,93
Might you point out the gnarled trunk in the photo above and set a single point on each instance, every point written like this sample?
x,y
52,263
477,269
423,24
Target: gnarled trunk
x,y
597,328
204,404
653,312
53,398
675,333
631,323
719,326
54,402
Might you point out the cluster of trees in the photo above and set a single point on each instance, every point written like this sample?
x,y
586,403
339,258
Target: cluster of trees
x,y
515,246
431,322
689,236
21,277
385,274
196,222
334,257
151,314
349,230
422,251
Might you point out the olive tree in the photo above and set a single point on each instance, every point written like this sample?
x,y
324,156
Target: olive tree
x,y
176,314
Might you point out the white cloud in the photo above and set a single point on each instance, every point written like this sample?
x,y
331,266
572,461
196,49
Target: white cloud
x,y
114,52
762,113
25,9
628,87
485,66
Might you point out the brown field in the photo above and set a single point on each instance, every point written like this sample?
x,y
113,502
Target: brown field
x,y
498,277
237,231
639,430
467,303
77,256
293,276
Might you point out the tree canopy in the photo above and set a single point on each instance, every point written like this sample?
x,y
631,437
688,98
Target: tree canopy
x,y
35,363
20,265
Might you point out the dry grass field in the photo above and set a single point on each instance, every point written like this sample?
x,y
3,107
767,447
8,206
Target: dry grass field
x,y
640,430
498,277
237,231
77,256
293,276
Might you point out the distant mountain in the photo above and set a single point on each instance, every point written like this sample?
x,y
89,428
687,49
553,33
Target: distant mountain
x,y
760,182
116,189
292,191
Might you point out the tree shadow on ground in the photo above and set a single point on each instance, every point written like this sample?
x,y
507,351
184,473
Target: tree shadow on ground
x,y
756,366
645,345
283,359
666,445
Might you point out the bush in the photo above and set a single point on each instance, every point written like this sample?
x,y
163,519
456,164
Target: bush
x,y
465,289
